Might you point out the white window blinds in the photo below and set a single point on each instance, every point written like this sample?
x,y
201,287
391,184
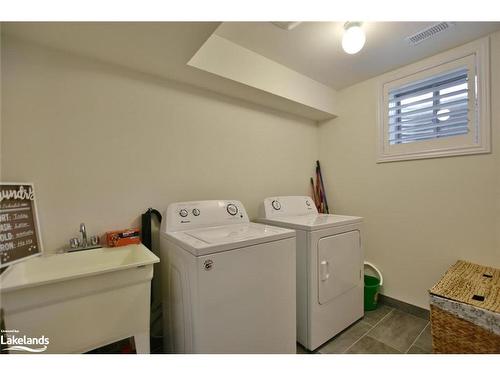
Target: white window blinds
x,y
428,109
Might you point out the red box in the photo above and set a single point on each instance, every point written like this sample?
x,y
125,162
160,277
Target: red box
x,y
123,237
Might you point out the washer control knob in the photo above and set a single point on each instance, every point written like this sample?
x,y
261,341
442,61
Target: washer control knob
x,y
232,209
276,205
196,212
183,213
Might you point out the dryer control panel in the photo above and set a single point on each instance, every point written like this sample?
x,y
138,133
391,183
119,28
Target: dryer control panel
x,y
199,214
275,207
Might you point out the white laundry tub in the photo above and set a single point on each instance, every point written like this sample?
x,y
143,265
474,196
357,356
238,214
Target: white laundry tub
x,y
83,300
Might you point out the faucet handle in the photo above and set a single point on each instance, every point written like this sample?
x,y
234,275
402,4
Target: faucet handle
x,y
74,243
94,240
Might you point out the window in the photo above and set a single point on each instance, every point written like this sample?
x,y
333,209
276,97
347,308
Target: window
x,y
438,107
435,108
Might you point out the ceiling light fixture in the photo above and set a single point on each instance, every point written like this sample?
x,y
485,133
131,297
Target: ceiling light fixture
x,y
354,38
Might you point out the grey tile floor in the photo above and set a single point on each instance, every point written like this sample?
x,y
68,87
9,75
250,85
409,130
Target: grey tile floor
x,y
385,330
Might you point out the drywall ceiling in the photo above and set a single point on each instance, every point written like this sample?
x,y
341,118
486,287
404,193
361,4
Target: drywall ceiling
x,y
161,49
314,48
156,47
229,60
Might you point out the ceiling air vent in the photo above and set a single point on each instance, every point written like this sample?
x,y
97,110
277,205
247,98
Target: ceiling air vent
x,y
428,32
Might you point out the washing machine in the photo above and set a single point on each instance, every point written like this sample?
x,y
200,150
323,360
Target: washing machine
x,y
329,266
228,284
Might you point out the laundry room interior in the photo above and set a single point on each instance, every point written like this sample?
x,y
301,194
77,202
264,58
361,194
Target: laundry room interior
x,y
323,187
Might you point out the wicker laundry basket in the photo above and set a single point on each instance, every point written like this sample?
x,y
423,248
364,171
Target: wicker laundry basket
x,y
465,310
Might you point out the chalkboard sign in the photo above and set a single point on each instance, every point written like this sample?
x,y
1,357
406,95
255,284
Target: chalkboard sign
x,y
19,230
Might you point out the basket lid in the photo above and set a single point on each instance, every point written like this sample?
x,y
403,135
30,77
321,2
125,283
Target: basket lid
x,y
472,284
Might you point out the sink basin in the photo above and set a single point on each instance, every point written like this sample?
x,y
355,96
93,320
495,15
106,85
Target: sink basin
x,y
59,267
83,300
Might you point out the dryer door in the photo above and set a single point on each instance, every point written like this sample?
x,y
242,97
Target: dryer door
x,y
339,259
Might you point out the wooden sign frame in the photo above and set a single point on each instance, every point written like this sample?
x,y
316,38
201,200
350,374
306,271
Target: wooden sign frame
x,y
34,218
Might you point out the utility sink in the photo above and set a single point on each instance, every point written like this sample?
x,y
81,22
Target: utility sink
x,y
80,301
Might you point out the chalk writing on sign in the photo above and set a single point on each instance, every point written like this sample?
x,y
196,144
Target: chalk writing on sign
x,y
19,237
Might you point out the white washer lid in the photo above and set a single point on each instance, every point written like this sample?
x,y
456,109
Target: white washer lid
x,y
313,221
211,240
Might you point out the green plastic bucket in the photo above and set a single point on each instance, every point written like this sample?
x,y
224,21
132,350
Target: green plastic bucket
x,y
372,285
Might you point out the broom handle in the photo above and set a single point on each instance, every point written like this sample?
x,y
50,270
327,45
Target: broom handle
x,y
321,203
322,186
314,193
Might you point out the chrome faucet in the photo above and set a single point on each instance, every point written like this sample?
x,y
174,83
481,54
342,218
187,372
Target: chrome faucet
x,y
77,244
83,231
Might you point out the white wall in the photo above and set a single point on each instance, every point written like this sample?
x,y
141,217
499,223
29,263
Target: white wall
x,y
420,216
102,144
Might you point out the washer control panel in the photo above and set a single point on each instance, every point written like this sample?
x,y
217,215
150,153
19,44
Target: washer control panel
x,y
274,207
198,214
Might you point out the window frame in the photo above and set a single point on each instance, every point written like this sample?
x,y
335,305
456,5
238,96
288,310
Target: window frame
x,y
475,56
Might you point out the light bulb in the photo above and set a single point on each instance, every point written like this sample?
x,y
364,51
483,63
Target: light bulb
x,y
353,39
